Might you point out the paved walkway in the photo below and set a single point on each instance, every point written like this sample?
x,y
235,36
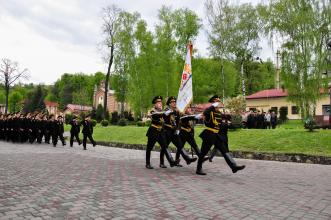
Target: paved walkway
x,y
43,182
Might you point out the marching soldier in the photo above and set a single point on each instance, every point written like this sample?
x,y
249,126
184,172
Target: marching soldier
x,y
210,136
187,130
156,133
87,131
58,130
74,131
172,131
223,132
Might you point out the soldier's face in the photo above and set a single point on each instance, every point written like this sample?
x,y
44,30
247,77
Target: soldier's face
x,y
173,104
158,105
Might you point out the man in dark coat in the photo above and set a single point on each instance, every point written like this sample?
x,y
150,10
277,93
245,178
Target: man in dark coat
x,y
87,131
210,136
74,131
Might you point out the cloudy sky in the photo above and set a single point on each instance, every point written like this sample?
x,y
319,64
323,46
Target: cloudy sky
x,y
54,37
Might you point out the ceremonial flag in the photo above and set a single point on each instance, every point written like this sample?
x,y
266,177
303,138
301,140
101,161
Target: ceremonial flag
x,y
185,93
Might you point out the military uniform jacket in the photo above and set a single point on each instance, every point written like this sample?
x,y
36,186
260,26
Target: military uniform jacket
x,y
156,127
171,121
75,126
87,127
186,126
212,123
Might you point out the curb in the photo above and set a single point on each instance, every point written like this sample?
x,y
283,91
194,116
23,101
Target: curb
x,y
282,157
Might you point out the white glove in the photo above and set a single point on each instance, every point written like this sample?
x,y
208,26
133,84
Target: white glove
x,y
215,104
177,132
168,112
199,116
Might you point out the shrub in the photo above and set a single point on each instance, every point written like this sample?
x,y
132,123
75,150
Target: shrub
x,y
122,122
236,121
99,113
105,123
310,123
114,118
107,116
93,122
67,118
140,123
283,114
148,123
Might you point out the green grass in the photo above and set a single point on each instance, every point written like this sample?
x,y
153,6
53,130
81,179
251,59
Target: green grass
x,y
287,138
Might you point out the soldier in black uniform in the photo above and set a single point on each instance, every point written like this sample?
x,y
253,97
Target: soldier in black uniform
x,y
87,131
74,131
223,133
46,128
172,130
187,130
58,130
156,133
2,126
210,136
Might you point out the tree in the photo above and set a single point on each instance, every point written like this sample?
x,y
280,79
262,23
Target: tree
x,y
14,101
234,35
125,56
10,73
221,19
302,28
36,103
110,26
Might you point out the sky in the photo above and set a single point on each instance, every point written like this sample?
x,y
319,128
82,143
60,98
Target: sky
x,y
51,37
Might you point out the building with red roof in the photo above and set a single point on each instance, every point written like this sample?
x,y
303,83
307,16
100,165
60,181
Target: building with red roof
x,y
76,109
52,107
274,99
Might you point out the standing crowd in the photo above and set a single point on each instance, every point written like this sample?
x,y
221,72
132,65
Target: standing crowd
x,y
259,120
38,127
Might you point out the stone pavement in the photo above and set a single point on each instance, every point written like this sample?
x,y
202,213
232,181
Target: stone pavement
x,y
43,182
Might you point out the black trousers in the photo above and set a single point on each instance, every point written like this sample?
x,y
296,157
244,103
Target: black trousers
x,y
89,136
189,138
219,145
161,139
55,139
72,136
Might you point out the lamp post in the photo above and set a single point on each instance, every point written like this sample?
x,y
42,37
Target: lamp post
x,y
328,44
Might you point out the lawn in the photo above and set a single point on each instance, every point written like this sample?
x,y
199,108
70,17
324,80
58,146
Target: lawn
x,y
287,138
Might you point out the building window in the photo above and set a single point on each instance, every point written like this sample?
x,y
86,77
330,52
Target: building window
x,y
101,100
326,110
294,110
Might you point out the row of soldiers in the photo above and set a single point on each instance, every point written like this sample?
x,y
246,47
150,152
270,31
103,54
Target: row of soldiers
x,y
170,126
38,127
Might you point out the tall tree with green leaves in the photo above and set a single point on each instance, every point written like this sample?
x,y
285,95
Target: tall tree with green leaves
x,y
36,102
125,56
143,81
166,50
302,26
15,99
234,34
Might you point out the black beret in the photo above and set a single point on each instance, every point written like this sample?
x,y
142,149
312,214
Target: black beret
x,y
170,99
156,98
212,99
60,116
